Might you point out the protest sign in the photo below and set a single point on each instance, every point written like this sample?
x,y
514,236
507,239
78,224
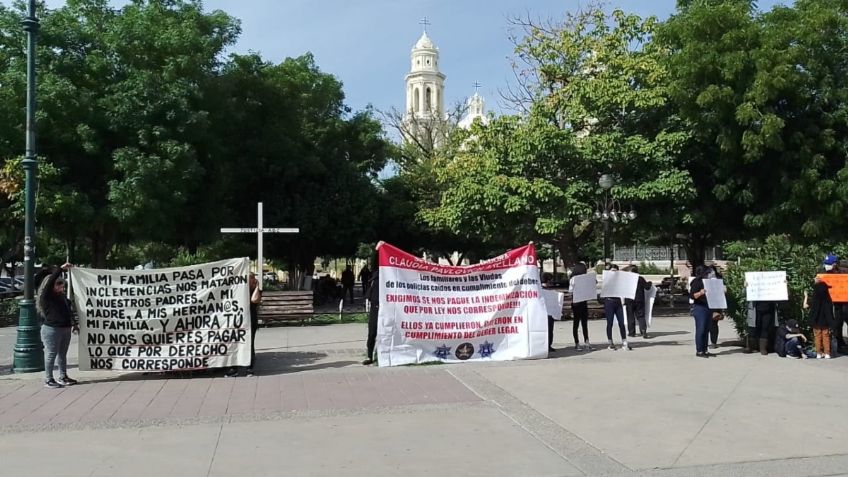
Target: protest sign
x,y
429,312
716,299
650,298
585,288
766,286
838,283
619,284
553,303
168,319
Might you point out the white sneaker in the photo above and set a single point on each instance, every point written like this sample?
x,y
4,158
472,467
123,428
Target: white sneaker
x,y
626,346
819,356
589,347
827,356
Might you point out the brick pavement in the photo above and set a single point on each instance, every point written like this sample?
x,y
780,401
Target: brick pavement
x,y
25,404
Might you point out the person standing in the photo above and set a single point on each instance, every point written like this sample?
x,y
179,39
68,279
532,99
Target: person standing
x,y
57,325
700,311
547,283
766,312
636,306
364,279
579,312
821,317
614,310
717,315
255,300
348,281
840,309
373,315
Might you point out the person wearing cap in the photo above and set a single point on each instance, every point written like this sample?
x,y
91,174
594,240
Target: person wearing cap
x,y
789,341
840,309
821,317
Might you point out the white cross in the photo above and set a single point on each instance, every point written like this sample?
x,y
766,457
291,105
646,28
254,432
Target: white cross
x,y
259,230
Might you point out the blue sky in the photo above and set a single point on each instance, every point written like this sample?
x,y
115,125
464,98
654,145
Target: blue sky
x,y
366,43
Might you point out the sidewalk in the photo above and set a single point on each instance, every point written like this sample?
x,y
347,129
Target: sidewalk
x,y
314,410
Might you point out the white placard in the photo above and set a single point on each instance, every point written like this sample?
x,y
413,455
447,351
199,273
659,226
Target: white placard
x,y
650,298
553,303
766,286
169,319
619,284
585,288
715,293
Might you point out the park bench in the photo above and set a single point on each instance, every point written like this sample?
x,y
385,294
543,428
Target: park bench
x,y
285,306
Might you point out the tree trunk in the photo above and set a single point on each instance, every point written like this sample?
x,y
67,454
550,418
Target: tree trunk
x,y
696,249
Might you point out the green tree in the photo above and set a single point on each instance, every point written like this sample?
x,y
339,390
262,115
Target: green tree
x,y
595,104
120,111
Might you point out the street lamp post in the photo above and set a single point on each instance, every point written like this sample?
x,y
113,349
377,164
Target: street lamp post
x,y
28,356
609,210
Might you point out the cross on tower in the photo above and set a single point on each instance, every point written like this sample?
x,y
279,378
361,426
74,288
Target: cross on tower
x,y
477,86
259,230
425,22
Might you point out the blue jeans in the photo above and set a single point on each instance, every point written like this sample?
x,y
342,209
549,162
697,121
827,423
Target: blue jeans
x,y
56,342
614,310
794,347
702,316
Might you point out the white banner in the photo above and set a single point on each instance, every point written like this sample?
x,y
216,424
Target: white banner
x,y
619,284
553,303
491,311
164,320
650,298
715,293
585,288
766,286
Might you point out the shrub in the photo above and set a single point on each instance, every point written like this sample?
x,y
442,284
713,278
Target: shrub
x,y
777,252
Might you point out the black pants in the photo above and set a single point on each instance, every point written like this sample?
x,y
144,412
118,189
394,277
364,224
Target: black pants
x,y
839,318
345,290
580,312
765,324
372,330
551,322
713,331
636,312
253,328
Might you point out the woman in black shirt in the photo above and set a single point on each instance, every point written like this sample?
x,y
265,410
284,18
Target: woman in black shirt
x,y
56,328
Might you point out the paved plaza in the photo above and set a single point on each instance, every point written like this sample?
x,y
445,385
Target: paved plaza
x,y
313,410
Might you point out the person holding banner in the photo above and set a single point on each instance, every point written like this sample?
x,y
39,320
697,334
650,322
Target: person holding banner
x,y
840,309
255,300
717,314
57,325
766,313
821,317
579,311
373,298
636,306
700,311
614,310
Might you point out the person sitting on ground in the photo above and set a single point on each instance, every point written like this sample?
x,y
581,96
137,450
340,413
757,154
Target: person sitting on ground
x,y
58,323
789,341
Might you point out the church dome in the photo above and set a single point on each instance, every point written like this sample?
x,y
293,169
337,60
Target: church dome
x,y
424,43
